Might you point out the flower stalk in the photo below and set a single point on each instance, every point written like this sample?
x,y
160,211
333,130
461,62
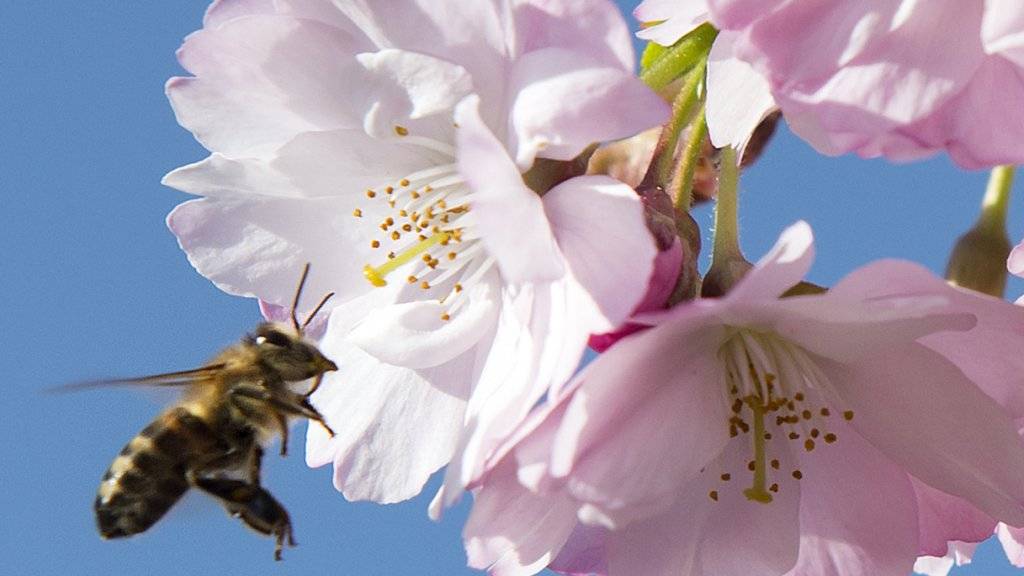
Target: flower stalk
x,y
727,262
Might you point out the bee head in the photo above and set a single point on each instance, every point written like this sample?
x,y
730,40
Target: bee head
x,y
284,350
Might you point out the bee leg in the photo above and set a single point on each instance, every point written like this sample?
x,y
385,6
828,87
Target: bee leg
x,y
256,465
285,403
253,505
282,423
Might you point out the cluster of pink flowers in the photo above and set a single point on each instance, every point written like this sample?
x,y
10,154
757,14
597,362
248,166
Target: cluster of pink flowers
x,y
428,159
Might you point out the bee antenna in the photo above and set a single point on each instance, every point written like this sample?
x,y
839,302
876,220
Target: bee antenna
x,y
316,310
298,294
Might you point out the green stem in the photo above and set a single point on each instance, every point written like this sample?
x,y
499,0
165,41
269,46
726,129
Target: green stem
x,y
660,170
997,199
726,243
682,183
685,54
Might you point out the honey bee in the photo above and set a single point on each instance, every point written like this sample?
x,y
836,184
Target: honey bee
x,y
212,439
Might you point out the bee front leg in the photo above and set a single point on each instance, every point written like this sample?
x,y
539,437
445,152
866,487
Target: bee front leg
x,y
284,403
254,506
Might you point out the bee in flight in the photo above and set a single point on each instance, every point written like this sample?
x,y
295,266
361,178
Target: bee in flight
x,y
213,437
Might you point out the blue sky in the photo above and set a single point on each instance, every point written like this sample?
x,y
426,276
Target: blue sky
x,y
96,287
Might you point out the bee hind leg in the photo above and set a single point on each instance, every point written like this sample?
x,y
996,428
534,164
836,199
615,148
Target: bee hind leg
x,y
254,506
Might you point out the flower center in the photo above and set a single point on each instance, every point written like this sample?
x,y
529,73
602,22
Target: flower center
x,y
428,226
774,387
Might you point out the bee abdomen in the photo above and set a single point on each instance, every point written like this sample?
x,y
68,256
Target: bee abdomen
x,y
150,473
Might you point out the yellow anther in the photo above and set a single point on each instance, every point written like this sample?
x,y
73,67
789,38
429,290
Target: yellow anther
x,y
401,130
357,213
403,182
848,415
370,194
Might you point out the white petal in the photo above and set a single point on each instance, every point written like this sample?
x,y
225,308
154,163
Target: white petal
x,y
565,102
599,225
258,247
515,229
261,80
413,334
335,163
393,427
407,86
738,96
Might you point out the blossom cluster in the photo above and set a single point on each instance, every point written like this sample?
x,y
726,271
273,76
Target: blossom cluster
x,y
489,188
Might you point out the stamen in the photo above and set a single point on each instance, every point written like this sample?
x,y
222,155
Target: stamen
x,y
758,492
376,275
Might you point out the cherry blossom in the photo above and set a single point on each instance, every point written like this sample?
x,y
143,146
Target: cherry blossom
x,y
758,434
900,78
385,143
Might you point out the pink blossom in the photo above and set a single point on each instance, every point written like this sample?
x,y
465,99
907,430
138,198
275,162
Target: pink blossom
x,y
340,132
899,78
753,434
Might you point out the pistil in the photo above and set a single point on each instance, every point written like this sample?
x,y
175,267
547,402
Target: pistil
x,y
376,275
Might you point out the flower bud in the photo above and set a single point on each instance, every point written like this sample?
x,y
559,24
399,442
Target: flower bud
x,y
978,260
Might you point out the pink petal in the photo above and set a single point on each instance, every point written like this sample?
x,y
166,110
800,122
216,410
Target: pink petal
x,y
583,554
257,247
698,536
871,310
733,14
413,334
677,18
1002,29
857,512
993,365
223,10
976,134
895,62
650,413
663,282
594,28
518,234
235,104
738,96
922,412
565,101
1012,540
943,518
512,531
391,435
1015,263
741,536
784,266
599,225
663,545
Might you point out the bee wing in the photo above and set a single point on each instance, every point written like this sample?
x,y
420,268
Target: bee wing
x,y
181,378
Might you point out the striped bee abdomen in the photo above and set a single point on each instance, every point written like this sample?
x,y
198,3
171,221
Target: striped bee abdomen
x,y
150,473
